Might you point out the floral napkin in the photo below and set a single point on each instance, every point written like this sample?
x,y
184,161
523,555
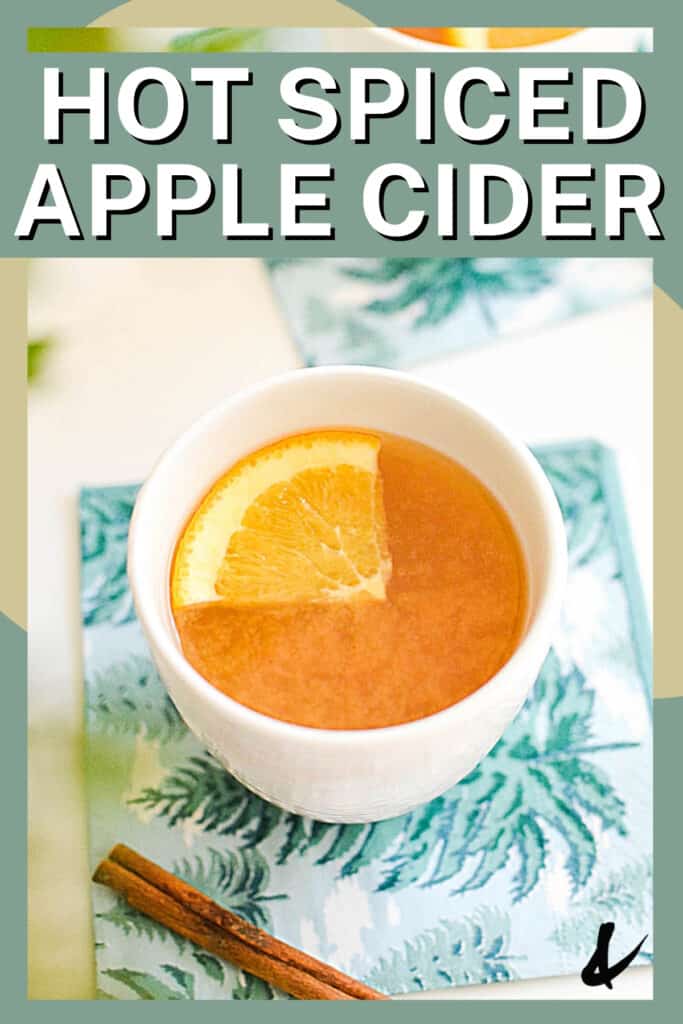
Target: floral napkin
x,y
402,311
507,875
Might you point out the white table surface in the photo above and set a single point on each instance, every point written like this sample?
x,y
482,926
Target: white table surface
x,y
143,347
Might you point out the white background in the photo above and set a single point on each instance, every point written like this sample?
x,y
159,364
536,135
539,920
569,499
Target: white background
x,y
142,348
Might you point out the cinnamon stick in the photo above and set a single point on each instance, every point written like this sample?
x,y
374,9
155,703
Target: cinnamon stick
x,y
187,911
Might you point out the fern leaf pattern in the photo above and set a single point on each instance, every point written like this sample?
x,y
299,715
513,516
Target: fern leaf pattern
x,y
625,893
402,310
129,696
133,923
105,514
505,875
473,950
237,880
144,985
172,982
579,487
521,790
434,288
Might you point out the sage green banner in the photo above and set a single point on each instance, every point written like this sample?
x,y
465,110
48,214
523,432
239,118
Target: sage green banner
x,y
262,147
262,153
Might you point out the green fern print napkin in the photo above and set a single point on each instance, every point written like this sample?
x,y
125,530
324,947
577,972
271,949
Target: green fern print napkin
x,y
507,875
400,312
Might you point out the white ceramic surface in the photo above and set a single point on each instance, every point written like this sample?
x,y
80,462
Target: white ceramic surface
x,y
359,775
142,351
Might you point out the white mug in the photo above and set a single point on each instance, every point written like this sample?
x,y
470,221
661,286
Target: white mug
x,y
584,40
366,774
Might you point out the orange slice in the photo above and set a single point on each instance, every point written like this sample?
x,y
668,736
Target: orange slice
x,y
300,520
490,38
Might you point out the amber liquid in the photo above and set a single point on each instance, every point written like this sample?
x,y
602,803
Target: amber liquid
x,y
454,613
498,38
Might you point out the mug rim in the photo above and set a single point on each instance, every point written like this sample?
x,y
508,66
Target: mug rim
x,y
147,610
417,43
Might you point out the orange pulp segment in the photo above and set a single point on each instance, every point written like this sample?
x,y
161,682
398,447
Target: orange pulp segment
x,y
301,520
